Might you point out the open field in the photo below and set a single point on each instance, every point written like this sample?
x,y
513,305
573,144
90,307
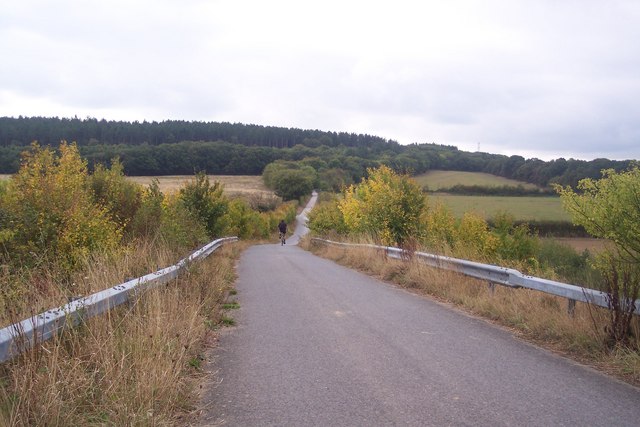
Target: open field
x,y
446,179
522,208
233,184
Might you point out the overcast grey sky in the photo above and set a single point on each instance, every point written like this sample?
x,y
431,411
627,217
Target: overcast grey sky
x,y
539,78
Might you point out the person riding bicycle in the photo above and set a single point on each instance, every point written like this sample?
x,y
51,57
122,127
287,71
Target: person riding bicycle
x,y
283,230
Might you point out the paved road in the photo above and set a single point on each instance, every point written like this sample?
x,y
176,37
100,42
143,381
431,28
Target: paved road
x,y
318,344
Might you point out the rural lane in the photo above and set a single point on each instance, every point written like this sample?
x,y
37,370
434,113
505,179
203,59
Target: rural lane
x,y
317,344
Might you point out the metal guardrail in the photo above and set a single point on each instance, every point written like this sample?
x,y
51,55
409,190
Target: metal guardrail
x,y
498,275
25,334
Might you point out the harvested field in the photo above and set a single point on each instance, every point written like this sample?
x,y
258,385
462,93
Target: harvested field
x,y
233,184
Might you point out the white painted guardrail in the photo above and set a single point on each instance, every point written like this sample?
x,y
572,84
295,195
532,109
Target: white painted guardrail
x,y
23,335
500,275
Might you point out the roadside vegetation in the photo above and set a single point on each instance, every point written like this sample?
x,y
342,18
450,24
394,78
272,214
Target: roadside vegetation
x,y
70,228
66,231
609,339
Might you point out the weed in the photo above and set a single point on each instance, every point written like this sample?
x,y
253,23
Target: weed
x,y
227,321
231,305
196,362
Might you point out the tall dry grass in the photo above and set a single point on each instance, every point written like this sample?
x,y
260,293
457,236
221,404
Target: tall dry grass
x,y
534,316
137,365
36,290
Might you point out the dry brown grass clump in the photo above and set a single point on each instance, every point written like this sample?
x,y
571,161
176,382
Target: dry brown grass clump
x,y
535,316
137,365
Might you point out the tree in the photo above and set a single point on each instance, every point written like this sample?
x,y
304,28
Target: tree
x,y
293,184
610,208
290,180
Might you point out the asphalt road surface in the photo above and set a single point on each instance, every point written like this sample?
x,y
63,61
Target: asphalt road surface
x,y
317,344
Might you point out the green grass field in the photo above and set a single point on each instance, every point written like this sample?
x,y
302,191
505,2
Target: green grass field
x,y
522,208
446,179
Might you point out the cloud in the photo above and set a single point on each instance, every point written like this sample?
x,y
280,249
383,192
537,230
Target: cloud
x,y
543,77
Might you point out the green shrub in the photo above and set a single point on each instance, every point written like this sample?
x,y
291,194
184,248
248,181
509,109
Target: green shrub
x,y
120,196
570,265
515,242
326,218
148,218
180,226
244,222
207,202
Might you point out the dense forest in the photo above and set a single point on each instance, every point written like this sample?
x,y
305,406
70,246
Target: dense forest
x,y
182,147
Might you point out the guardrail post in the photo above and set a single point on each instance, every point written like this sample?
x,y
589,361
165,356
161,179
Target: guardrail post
x,y
571,307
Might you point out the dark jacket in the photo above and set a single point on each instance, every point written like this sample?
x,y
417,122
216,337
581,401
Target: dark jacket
x,y
282,227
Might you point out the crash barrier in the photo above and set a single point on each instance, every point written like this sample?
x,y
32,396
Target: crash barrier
x,y
497,275
25,334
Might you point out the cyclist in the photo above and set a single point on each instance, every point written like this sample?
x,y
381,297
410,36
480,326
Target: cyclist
x,y
283,231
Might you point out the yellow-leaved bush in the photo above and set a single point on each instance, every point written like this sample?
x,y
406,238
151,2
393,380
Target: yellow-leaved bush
x,y
392,209
386,205
440,228
474,239
51,212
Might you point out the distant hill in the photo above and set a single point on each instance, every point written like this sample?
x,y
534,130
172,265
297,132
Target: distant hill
x,y
176,147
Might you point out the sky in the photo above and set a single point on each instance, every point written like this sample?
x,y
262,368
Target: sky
x,y
536,78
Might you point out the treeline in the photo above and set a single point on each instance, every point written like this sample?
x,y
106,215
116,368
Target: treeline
x,y
50,131
181,147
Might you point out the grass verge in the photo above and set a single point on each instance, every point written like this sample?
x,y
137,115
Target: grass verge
x,y
534,316
137,365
